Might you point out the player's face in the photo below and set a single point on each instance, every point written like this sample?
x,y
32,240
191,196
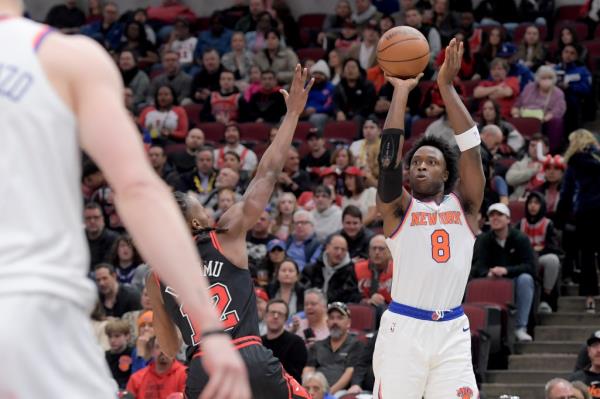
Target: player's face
x,y
498,221
106,281
287,273
314,388
276,315
534,206
94,222
351,225
427,171
204,162
118,342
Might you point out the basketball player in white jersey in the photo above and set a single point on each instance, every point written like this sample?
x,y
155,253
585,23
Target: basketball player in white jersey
x,y
56,93
423,347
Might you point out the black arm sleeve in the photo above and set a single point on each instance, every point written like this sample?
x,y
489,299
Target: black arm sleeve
x,y
389,186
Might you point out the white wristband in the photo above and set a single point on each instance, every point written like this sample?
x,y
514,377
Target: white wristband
x,y
468,139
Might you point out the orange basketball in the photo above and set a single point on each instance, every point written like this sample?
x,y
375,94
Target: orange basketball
x,y
403,52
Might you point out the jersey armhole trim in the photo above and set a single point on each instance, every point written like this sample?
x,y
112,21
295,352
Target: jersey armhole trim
x,y
40,36
404,217
215,242
462,209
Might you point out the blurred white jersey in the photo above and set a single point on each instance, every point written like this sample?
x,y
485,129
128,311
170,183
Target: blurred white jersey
x,y
432,250
43,248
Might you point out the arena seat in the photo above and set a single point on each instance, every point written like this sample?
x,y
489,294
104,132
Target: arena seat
x,y
193,113
260,148
526,126
302,130
255,131
568,12
520,31
469,86
311,53
419,126
212,130
345,130
363,317
517,210
312,21
480,338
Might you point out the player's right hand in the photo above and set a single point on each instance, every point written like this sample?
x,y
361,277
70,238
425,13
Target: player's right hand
x,y
228,378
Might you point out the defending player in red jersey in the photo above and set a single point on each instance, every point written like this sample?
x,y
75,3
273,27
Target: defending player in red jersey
x,y
223,250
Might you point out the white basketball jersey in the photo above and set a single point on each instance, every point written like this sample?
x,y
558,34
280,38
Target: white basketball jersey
x,y
42,243
432,251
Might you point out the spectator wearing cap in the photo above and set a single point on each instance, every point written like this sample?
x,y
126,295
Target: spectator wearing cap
x,y
287,287
526,174
182,42
554,170
354,97
338,355
262,298
302,244
265,271
172,76
506,252
366,151
287,347
231,135
268,104
319,156
293,179
356,234
590,375
217,36
366,51
327,215
277,58
319,105
365,13
500,87
333,272
258,238
358,194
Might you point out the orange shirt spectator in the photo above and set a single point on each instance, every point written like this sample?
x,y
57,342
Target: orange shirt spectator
x,y
500,88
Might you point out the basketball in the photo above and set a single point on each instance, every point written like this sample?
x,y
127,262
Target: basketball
x,y
403,52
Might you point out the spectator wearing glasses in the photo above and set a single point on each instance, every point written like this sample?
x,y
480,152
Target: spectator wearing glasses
x,y
302,244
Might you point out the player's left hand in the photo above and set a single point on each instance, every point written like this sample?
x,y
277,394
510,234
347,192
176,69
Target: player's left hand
x,y
452,63
295,100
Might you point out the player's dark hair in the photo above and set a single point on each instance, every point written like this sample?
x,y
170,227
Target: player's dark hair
x,y
449,153
281,301
352,210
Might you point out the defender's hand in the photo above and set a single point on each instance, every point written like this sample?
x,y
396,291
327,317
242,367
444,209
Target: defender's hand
x,y
452,63
295,100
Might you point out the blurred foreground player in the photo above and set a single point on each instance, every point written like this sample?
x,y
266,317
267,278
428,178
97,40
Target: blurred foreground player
x,y
423,346
57,92
223,251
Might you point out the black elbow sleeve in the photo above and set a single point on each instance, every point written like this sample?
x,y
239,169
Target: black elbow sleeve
x,y
389,186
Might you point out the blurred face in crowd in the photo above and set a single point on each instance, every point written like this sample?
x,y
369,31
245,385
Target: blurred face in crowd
x,y
126,61
351,225
264,23
362,5
272,41
170,63
182,30
316,143
492,138
287,273
379,253
231,161
256,7
336,250
566,36
334,59
227,178
157,157
561,390
532,149
145,299
323,201
268,81
118,342
140,16
94,222
342,159
413,18
386,24
440,6
276,317
232,135
124,251
594,354
287,203
533,206
204,161
314,388
350,182
261,307
495,37
303,227
238,42
532,35
110,13
498,221
498,73
255,75
225,200
227,82
370,35
313,306
351,71
194,139
211,61
262,224
106,281
546,81
554,174
133,31
488,111
277,255
338,324
466,20
569,55
161,360
330,180
370,131
165,97
343,9
319,78
292,164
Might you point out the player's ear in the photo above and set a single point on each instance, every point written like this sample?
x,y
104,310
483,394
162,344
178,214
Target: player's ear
x,y
195,224
446,175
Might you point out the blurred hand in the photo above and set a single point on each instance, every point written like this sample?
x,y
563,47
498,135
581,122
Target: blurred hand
x,y
228,378
340,116
295,100
515,112
355,389
295,324
377,299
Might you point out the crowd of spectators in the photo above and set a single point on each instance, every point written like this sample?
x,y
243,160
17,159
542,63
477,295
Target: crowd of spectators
x,y
317,249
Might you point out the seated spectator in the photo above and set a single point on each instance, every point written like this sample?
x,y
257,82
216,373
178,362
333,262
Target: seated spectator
x,y
141,335
413,105
357,194
334,61
183,43
494,44
590,375
105,197
207,80
287,25
490,115
158,160
268,104
117,299
100,238
286,286
166,119
580,390
169,11
319,106
239,60
366,51
576,82
327,215
333,272
261,306
184,160
366,150
342,158
140,320
568,36
223,105
531,51
317,386
141,16
542,236
277,58
284,212
257,239
292,178
543,100
265,271
92,179
354,97
319,156
558,388
444,20
226,178
500,88
473,32
413,17
217,37
365,12
355,233
506,252
254,82
302,245
336,364
67,17
249,21
128,263
374,274
554,169
333,23
257,39
363,378
108,30
118,356
526,175
134,40
134,78
287,347
311,325
164,376
467,66
172,76
200,180
226,197
496,189
98,319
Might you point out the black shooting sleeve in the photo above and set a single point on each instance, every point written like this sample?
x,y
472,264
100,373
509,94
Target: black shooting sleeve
x,y
389,186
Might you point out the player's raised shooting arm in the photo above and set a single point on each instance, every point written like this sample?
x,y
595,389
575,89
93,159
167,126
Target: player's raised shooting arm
x,y
259,191
163,325
472,179
391,195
